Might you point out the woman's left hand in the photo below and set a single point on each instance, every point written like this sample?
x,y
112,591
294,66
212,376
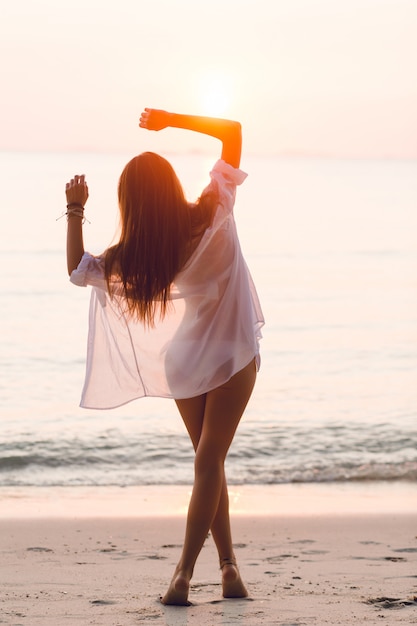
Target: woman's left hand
x,y
76,190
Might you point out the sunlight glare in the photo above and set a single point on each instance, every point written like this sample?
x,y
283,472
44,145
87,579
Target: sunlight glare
x,y
214,94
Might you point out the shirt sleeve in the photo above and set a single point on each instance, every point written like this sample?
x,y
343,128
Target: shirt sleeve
x,y
226,178
90,271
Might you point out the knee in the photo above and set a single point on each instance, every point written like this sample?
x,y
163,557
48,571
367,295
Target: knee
x,y
208,462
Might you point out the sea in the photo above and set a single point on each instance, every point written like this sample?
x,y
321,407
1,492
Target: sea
x,y
331,245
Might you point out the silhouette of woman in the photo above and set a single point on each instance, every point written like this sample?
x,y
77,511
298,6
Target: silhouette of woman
x,y
174,313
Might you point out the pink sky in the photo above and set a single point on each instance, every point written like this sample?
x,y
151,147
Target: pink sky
x,y
323,76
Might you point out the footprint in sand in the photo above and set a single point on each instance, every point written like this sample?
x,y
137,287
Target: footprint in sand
x,y
102,602
39,549
410,550
391,603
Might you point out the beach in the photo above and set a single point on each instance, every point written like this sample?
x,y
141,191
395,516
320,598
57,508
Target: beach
x,y
329,556
323,468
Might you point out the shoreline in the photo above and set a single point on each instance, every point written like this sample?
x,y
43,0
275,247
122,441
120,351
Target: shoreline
x,y
310,499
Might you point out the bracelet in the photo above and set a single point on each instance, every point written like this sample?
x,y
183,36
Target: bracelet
x,y
74,212
74,209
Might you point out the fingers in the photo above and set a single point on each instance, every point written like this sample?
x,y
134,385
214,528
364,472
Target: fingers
x,y
77,180
76,190
143,122
154,119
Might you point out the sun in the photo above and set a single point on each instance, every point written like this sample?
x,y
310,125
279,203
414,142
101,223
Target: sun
x,y
214,94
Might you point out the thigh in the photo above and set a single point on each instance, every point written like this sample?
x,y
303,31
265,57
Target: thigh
x,y
192,413
224,407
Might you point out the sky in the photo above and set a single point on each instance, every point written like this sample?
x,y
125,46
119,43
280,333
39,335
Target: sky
x,y
326,77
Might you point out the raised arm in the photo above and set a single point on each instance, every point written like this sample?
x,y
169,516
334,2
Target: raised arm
x,y
228,131
76,191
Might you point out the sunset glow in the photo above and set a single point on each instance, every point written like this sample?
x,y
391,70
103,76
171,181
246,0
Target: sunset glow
x,y
332,77
214,95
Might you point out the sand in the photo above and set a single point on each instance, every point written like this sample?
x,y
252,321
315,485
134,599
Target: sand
x,y
72,563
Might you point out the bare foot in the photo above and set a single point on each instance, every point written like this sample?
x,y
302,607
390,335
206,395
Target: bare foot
x,y
232,583
178,591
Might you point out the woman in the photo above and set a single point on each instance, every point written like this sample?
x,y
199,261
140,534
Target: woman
x,y
174,313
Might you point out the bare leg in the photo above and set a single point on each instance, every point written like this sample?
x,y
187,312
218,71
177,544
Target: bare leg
x,y
232,584
192,412
211,420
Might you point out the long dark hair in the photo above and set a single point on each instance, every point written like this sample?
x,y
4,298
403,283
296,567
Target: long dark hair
x,y
158,228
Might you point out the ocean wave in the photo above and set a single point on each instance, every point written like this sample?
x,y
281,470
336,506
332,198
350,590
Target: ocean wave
x,y
261,455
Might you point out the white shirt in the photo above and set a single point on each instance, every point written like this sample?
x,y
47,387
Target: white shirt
x,y
210,332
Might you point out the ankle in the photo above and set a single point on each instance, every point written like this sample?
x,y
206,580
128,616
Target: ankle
x,y
183,572
227,561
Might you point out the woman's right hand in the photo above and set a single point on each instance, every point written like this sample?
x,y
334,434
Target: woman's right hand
x,y
228,131
154,119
